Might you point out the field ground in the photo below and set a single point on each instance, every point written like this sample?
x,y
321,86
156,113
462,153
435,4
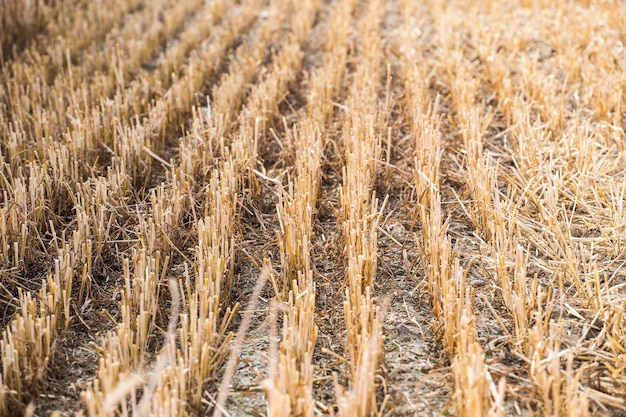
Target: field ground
x,y
314,207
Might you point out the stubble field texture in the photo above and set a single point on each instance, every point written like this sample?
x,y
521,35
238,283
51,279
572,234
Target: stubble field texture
x,y
313,207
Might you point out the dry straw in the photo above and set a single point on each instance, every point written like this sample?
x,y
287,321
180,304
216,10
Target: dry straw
x,y
152,154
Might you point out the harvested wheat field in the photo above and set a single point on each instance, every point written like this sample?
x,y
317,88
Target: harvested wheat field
x,y
313,207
